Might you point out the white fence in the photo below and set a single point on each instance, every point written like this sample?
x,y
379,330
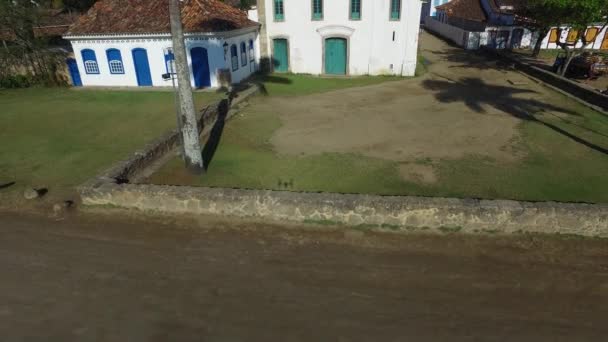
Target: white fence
x,y
453,33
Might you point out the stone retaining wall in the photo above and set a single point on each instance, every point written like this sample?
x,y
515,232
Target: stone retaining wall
x,y
467,215
112,188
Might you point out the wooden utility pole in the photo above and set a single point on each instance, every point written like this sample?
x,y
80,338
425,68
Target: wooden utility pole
x,y
190,136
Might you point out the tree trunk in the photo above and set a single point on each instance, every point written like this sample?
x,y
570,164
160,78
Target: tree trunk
x,y
538,44
192,146
569,56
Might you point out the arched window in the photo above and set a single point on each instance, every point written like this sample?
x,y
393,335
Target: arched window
x,y
243,54
115,61
251,51
90,61
234,57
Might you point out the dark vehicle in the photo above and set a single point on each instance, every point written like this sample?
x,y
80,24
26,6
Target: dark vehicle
x,y
588,64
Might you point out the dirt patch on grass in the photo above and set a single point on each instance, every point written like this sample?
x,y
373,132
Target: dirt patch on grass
x,y
418,173
466,104
400,121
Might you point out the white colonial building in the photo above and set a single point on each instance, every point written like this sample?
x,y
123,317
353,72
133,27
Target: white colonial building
x,y
128,43
340,37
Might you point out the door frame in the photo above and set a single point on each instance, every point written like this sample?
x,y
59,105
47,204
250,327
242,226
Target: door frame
x,y
521,37
69,61
288,53
135,66
347,39
206,51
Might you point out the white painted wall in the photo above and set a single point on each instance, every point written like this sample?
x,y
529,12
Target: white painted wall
x,y
453,33
155,46
595,45
371,49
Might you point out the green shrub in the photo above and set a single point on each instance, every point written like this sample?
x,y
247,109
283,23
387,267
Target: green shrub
x,y
16,81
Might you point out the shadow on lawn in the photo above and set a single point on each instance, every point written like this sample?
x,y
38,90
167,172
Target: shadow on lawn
x,y
475,92
262,79
216,134
473,60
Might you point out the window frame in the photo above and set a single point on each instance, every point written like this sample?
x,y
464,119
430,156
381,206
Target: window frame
x,y
572,32
553,32
88,63
243,54
350,12
234,53
313,13
251,51
392,10
119,60
596,34
169,56
275,7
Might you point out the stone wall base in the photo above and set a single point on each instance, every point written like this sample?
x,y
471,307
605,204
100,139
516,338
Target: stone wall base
x,y
466,215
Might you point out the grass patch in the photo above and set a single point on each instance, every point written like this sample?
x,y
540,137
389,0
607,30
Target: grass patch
x,y
321,222
300,84
449,229
554,166
421,66
61,137
245,159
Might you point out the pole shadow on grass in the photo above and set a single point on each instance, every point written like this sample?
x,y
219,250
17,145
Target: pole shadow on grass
x,y
216,134
474,93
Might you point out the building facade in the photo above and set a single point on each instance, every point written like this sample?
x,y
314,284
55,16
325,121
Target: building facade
x,y
492,23
340,37
113,47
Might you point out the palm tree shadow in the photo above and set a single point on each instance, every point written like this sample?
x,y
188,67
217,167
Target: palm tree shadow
x,y
216,134
475,93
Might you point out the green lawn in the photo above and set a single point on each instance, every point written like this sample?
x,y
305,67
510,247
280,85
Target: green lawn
x,y
58,138
554,167
298,84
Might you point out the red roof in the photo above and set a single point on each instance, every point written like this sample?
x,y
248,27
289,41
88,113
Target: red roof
x,y
152,16
465,9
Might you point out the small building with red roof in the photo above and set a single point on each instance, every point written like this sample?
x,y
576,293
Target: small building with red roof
x,y
128,43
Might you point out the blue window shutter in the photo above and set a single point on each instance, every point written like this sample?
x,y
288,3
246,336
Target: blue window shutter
x,y
90,61
169,56
251,52
234,57
89,55
115,61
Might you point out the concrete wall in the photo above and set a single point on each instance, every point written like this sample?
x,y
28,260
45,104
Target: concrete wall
x,y
155,47
371,47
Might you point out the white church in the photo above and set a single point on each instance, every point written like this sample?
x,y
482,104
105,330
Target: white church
x,y
128,42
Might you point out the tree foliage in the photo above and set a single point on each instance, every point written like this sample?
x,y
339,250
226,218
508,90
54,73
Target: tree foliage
x,y
572,15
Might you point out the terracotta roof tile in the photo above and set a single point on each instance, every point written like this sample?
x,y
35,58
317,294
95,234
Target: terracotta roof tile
x,y
152,16
465,9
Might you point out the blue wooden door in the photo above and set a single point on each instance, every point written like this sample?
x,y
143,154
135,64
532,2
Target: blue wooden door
x,y
200,67
142,67
74,73
335,56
